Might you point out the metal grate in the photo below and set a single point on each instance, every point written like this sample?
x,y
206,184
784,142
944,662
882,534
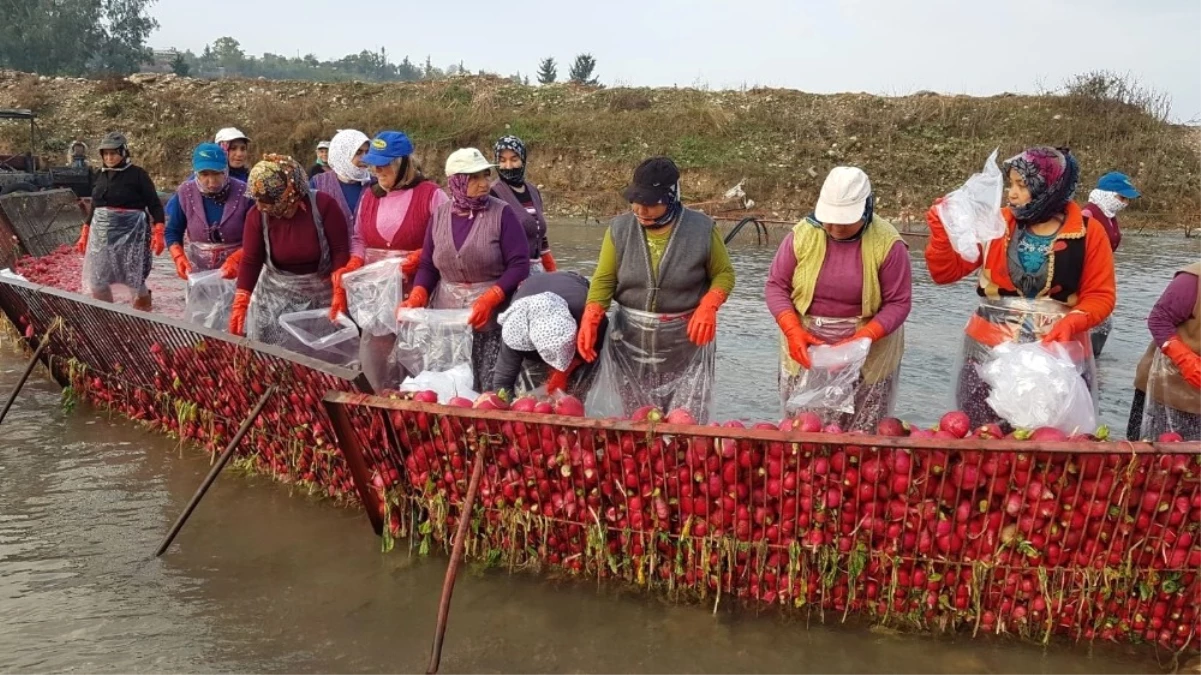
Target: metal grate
x,y
42,221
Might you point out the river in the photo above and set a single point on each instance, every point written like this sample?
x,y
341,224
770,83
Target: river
x,y
265,580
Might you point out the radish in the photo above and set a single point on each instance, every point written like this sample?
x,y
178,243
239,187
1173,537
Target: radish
x,y
955,423
647,413
460,402
490,400
544,408
425,396
569,406
891,426
680,416
1050,434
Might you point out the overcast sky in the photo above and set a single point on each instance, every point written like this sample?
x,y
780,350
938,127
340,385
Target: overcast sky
x,y
876,46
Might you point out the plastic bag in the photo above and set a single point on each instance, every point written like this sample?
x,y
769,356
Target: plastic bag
x,y
278,293
433,339
313,334
204,256
1170,403
972,213
1036,385
451,295
831,383
649,360
447,384
372,295
118,252
210,299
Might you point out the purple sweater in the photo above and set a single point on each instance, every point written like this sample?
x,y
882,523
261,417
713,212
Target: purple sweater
x,y
839,292
1173,308
513,247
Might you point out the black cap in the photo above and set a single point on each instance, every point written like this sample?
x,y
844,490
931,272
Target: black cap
x,y
653,180
113,140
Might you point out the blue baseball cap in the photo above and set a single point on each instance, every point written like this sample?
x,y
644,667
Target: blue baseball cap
x,y
1119,183
209,157
386,147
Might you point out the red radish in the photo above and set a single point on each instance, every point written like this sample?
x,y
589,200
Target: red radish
x,y
569,406
955,423
807,422
490,400
524,404
460,402
1047,434
891,426
544,408
679,416
1170,437
425,396
647,413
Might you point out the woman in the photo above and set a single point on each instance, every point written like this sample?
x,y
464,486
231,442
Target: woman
x,y
1050,278
668,269
292,240
237,148
119,252
392,221
843,274
1112,194
475,255
322,164
1167,384
347,176
211,209
524,198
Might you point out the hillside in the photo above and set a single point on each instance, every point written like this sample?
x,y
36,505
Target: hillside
x,y
585,141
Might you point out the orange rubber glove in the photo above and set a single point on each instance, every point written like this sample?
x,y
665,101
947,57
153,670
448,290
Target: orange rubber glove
x,y
799,339
585,339
158,239
418,298
482,309
408,265
558,378
181,261
237,319
353,264
229,269
872,330
702,327
1185,359
1067,328
82,244
548,262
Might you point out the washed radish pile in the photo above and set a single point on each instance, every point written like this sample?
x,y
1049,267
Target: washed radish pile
x,y
63,269
1095,546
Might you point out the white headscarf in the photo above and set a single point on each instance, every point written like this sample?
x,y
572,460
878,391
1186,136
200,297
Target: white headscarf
x,y
342,149
1108,201
541,323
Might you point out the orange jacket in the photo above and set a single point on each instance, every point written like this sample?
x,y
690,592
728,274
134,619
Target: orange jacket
x,y
1083,281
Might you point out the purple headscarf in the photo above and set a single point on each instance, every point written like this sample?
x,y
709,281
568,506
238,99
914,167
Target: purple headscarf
x,y
1051,175
458,195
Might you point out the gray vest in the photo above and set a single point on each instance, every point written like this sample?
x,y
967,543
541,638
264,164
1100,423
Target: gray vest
x,y
480,259
683,269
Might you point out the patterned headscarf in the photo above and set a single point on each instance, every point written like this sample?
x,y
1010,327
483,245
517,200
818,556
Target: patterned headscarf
x,y
458,195
278,184
1051,175
342,149
514,177
541,323
675,206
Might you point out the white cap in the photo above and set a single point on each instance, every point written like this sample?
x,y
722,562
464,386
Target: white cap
x,y
323,145
843,198
467,160
229,134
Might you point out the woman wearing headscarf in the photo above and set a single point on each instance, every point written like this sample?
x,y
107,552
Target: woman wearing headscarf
x,y
668,269
475,255
124,204
293,239
1050,278
841,275
1112,194
1167,384
346,177
510,156
210,208
392,221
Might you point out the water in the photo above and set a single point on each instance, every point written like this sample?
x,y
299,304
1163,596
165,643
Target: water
x,y
264,580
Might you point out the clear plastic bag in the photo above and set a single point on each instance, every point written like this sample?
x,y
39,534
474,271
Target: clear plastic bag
x,y
1036,385
972,213
204,256
312,334
649,360
452,295
830,385
1170,403
210,299
372,295
278,293
447,384
433,339
118,252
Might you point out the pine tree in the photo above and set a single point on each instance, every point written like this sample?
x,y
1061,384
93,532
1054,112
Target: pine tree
x,y
581,70
548,72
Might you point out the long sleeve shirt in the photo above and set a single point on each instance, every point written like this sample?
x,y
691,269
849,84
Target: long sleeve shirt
x,y
177,219
604,279
1173,308
839,291
129,188
513,249
295,247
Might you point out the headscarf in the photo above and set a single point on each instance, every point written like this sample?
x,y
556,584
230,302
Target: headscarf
x,y
1109,202
278,185
514,177
220,194
541,323
342,149
1051,175
674,208
458,195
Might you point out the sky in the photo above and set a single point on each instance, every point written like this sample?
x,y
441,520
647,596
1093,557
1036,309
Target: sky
x,y
974,47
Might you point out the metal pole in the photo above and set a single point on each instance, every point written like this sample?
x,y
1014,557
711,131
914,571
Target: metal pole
x,y
213,472
456,556
33,361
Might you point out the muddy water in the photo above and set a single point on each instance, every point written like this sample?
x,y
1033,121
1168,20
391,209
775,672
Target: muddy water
x,y
263,580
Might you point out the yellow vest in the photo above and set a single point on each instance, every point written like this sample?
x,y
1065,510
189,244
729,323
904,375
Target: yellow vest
x,y
809,245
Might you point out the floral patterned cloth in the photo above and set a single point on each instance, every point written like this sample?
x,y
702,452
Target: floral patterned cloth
x,y
278,184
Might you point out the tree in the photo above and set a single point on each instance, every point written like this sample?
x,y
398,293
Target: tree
x,y
124,31
548,71
75,37
228,54
179,65
581,70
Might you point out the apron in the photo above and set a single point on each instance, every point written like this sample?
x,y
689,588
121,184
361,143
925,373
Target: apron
x,y
1100,334
373,293
485,344
279,292
118,251
204,256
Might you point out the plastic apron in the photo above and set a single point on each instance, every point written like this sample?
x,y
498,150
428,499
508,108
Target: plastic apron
x,y
485,344
373,293
536,266
1100,334
875,394
118,251
279,292
204,256
1167,393
649,360
1017,320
